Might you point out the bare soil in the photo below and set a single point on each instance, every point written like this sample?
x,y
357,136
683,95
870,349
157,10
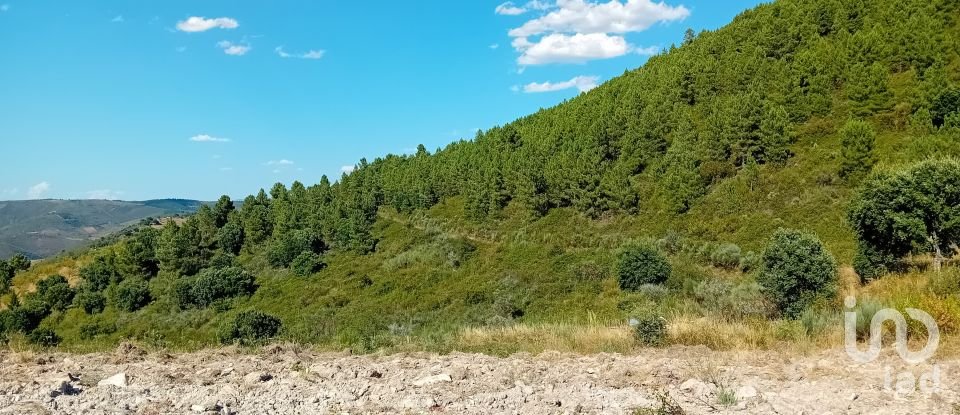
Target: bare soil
x,y
290,380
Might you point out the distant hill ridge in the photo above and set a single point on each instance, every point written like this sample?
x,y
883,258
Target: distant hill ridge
x,y
40,228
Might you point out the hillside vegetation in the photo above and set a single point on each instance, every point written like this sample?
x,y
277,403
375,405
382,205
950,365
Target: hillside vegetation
x,y
41,228
705,196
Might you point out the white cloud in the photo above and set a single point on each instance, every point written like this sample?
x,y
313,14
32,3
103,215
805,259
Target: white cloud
x,y
577,31
118,19
205,138
104,194
651,50
202,24
495,46
281,162
311,54
233,49
582,83
578,48
38,190
580,16
347,169
509,9
4,7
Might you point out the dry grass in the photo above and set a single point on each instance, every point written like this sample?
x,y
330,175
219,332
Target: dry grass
x,y
538,338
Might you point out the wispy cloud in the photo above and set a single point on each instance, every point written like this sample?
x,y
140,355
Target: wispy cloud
x,y
4,7
38,190
181,49
509,9
577,31
311,54
226,169
117,19
234,49
582,83
495,46
202,24
205,138
347,169
281,162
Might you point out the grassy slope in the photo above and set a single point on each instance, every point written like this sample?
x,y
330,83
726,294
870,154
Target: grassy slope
x,y
557,268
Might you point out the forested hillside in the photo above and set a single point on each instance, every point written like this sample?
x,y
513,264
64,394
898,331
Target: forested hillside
x,y
660,192
41,228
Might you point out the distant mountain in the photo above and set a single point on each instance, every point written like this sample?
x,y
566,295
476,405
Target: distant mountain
x,y
40,228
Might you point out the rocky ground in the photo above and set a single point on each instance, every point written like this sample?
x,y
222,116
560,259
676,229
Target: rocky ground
x,y
291,380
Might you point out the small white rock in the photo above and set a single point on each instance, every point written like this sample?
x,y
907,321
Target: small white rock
x,y
118,380
747,392
443,377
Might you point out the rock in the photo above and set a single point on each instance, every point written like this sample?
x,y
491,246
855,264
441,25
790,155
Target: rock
x,y
257,377
119,380
429,380
198,408
696,387
747,392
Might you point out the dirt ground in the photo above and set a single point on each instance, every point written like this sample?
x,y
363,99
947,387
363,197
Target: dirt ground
x,y
290,380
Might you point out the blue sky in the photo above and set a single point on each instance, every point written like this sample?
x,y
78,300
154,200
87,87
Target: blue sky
x,y
151,99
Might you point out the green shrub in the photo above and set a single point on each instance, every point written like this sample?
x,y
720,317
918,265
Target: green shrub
x,y
250,327
306,264
100,273
55,291
222,260
285,248
44,337
131,294
26,316
650,330
92,302
640,264
19,262
732,301
750,261
870,263
726,256
213,285
97,328
797,270
857,140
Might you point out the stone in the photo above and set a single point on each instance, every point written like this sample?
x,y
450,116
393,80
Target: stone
x,y
257,377
119,380
429,380
747,392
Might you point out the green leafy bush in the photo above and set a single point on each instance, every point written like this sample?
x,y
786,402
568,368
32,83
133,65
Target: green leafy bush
x,y
44,337
19,262
92,302
132,294
96,328
250,327
306,264
213,285
285,248
797,270
857,141
100,273
640,264
726,256
650,330
55,291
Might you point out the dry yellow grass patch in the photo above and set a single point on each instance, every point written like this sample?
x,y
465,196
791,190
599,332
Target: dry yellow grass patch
x,y
538,338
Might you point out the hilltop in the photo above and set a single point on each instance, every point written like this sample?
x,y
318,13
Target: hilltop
x,y
41,228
